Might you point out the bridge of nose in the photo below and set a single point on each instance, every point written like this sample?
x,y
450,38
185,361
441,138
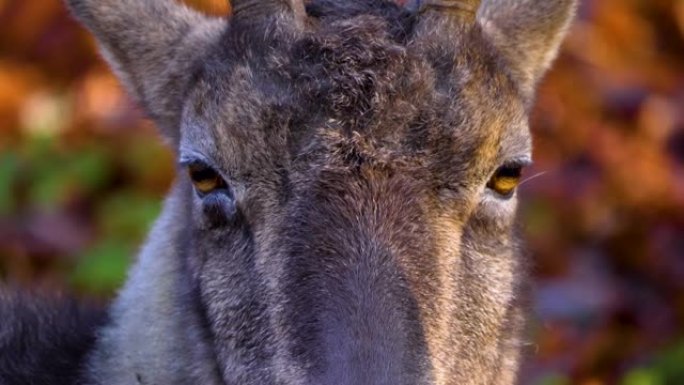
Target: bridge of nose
x,y
350,256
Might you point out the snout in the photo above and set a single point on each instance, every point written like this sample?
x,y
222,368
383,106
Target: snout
x,y
357,276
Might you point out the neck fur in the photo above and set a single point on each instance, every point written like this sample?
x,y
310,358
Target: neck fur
x,y
155,336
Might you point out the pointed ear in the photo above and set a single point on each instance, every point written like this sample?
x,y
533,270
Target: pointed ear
x,y
152,46
528,33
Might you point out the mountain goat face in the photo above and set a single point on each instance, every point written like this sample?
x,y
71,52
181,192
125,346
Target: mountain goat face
x,y
345,206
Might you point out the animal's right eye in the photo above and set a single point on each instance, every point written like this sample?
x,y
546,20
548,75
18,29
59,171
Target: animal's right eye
x,y
205,179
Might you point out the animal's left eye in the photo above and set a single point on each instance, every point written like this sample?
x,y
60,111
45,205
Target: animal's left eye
x,y
205,178
505,179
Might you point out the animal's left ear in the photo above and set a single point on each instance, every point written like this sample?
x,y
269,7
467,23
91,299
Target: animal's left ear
x,y
528,33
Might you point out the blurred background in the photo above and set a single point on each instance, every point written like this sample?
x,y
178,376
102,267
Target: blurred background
x,y
82,175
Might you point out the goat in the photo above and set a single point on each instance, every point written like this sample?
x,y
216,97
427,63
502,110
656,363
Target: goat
x,y
344,211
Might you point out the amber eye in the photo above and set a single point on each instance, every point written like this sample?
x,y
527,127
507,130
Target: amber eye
x,y
205,178
505,180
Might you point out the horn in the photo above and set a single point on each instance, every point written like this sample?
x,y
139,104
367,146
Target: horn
x,y
247,9
465,10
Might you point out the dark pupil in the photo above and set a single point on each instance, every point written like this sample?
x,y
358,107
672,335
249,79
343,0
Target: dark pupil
x,y
509,172
201,174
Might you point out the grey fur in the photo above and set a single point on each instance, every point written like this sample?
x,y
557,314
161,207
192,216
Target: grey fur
x,y
356,241
44,338
525,39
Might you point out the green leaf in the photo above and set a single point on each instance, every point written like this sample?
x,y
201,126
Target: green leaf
x,y
9,167
671,364
643,376
128,215
102,269
554,379
89,169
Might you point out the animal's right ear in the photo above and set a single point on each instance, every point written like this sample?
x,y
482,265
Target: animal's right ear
x,y
153,45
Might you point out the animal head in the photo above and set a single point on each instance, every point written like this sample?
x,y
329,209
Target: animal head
x,y
347,176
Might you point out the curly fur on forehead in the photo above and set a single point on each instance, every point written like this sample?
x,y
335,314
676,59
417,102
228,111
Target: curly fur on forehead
x,y
349,49
357,68
352,70
400,21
